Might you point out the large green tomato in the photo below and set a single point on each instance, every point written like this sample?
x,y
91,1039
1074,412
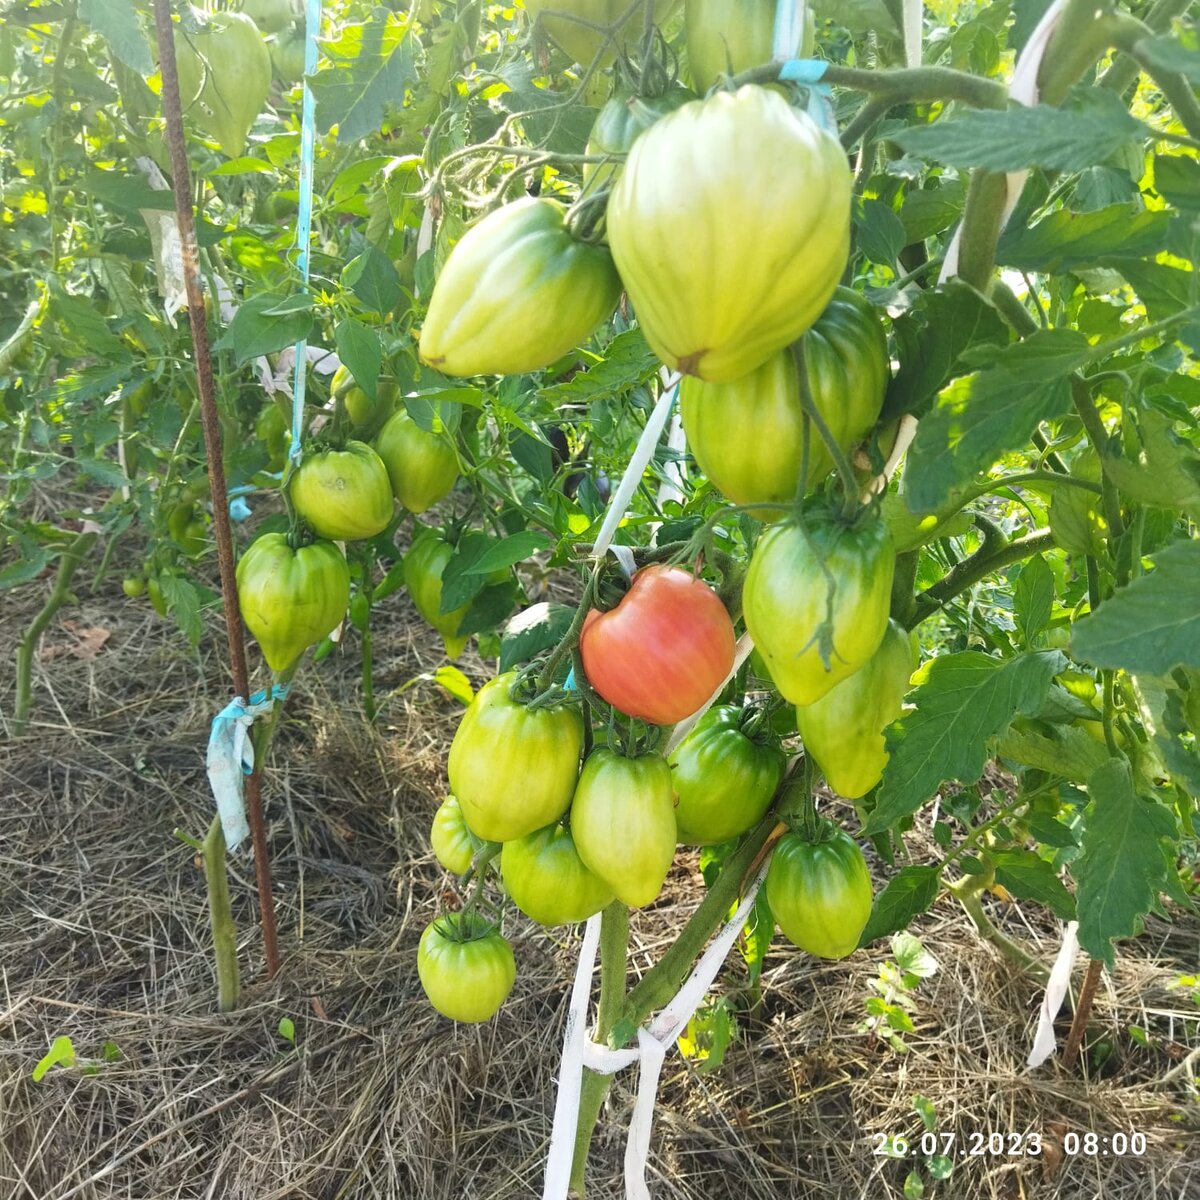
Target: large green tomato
x,y
585,44
466,967
748,436
725,37
730,225
513,768
344,494
424,565
816,600
820,892
451,839
843,730
621,121
422,466
517,293
724,778
547,879
291,599
273,16
623,819
287,57
224,77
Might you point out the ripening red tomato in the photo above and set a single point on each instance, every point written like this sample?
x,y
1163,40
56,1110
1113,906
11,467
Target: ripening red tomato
x,y
665,648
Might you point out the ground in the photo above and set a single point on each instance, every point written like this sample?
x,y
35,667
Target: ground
x,y
104,938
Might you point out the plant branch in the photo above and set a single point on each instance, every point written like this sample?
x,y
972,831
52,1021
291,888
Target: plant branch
x,y
905,85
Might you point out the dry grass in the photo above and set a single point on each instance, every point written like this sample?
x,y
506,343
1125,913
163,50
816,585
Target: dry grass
x,y
103,937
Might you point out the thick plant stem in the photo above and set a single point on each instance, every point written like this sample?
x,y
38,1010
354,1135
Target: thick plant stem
x,y
211,421
614,948
982,220
1085,407
1124,69
220,915
1083,36
72,556
973,906
1083,1010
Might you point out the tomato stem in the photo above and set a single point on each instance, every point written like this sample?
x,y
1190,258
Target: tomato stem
x,y
813,413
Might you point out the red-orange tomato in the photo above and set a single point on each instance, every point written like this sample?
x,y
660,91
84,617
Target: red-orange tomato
x,y
663,651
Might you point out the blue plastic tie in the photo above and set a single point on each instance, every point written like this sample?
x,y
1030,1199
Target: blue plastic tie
x,y
569,682
231,758
308,141
808,73
239,510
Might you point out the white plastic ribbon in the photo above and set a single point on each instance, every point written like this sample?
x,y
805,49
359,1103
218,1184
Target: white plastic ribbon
x,y
654,1042
743,650
789,29
231,758
1044,1041
912,32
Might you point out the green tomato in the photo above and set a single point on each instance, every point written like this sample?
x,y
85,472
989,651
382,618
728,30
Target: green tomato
x,y
345,494
843,730
272,16
825,586
517,293
547,879
287,58
224,77
424,565
366,415
273,431
451,838
578,26
513,768
619,124
623,821
422,466
157,598
290,599
133,586
748,436
725,37
724,779
820,892
730,226
466,967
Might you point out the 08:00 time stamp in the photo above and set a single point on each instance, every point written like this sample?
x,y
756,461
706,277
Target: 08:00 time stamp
x,y
996,1144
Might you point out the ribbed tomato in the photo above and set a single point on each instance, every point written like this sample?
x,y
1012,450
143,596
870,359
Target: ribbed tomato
x,y
424,565
843,730
820,892
366,415
730,225
291,598
512,767
547,880
816,599
422,466
466,967
578,25
517,293
727,36
621,121
748,436
663,651
724,777
345,495
623,821
451,839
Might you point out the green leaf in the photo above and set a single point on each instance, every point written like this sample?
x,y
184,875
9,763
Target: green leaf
x,y
929,210
287,1029
28,567
359,349
628,361
1029,877
1152,625
374,280
183,603
374,69
1033,598
1163,290
907,895
455,682
931,336
60,1054
117,22
1065,240
912,957
962,700
459,584
879,232
508,552
979,418
1167,471
1179,54
536,628
1121,868
1062,750
1177,180
266,323
1059,139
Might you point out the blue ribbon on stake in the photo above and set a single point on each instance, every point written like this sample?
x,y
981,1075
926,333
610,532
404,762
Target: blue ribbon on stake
x,y
231,758
808,73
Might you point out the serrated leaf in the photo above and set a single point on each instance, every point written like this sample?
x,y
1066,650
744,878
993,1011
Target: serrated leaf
x,y
1152,625
1029,877
1033,598
1066,240
1180,54
1050,832
183,603
1060,139
28,567
459,586
374,280
932,210
879,232
907,895
979,418
508,553
255,331
537,628
1166,473
628,361
1121,869
1162,289
116,21
962,701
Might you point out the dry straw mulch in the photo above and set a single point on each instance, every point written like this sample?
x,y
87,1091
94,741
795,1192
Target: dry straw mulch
x,y
103,937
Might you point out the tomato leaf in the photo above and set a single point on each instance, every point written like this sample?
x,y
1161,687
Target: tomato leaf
x,y
1152,625
264,324
1029,877
907,895
962,700
537,628
118,25
627,362
507,553
1121,868
1066,240
374,280
359,349
1033,598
